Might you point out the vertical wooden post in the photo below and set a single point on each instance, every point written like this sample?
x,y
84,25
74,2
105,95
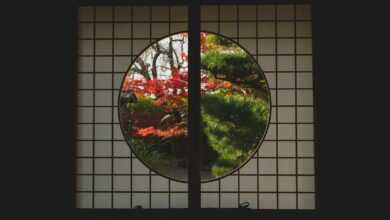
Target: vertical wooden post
x,y
194,104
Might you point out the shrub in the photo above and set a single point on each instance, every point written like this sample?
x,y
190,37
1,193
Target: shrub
x,y
232,125
214,41
235,67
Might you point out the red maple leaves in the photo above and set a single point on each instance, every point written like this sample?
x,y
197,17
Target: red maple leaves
x,y
169,94
177,84
209,85
152,131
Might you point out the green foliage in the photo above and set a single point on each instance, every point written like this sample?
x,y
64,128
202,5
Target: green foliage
x,y
234,67
220,170
226,60
231,124
213,39
159,153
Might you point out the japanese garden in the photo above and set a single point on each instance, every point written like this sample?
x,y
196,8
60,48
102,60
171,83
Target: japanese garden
x,y
235,106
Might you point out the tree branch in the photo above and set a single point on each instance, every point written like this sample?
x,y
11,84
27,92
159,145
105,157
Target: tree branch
x,y
144,68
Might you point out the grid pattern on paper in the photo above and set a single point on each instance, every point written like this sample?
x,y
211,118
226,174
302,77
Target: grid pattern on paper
x,y
280,176
108,174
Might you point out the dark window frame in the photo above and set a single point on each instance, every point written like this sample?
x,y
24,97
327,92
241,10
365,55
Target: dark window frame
x,y
194,90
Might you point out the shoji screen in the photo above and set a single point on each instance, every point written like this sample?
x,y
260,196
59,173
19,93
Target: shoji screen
x,y
108,175
281,175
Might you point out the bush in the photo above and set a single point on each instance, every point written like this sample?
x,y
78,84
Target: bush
x,y
159,153
213,40
232,125
237,67
229,66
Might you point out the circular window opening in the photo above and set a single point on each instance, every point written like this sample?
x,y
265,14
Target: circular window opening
x,y
235,106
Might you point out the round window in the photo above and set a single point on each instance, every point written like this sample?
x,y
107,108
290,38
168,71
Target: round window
x,y
235,106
